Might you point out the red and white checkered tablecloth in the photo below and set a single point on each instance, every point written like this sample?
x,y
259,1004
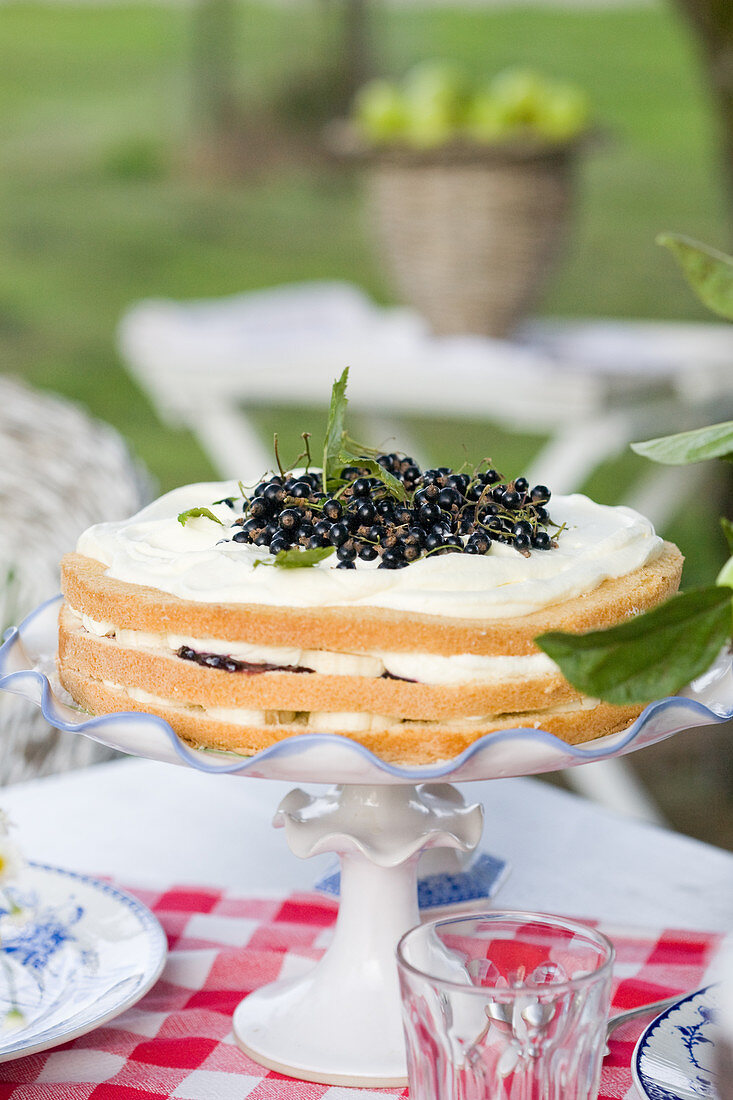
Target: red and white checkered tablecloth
x,y
177,1041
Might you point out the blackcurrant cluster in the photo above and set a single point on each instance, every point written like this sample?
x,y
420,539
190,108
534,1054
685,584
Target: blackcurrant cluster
x,y
443,513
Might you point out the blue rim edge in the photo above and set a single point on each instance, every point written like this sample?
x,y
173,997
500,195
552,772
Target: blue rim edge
x,y
294,745
641,1078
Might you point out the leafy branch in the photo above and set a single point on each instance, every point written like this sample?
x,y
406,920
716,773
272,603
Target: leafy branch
x,y
341,451
657,653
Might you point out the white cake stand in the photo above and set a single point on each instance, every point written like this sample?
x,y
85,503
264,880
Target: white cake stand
x,y
340,1023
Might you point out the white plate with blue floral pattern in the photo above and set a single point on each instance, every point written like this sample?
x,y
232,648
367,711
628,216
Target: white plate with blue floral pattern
x,y
74,952
675,1057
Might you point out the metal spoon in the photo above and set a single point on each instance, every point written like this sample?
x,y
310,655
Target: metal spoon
x,y
652,1009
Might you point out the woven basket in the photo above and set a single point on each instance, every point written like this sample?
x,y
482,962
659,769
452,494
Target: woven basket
x,y
469,236
61,472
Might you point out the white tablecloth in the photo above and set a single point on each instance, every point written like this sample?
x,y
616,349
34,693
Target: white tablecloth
x,y
148,823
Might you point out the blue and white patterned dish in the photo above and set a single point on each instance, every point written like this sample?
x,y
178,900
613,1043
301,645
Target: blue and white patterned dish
x,y
675,1057
27,668
79,952
443,889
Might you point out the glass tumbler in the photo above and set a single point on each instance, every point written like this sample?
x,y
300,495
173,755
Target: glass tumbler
x,y
504,1006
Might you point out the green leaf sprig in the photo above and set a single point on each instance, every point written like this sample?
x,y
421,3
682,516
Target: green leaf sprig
x,y
298,559
340,450
659,652
192,513
335,430
650,655
709,272
684,448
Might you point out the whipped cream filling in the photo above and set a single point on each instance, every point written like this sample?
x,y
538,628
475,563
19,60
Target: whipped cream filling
x,y
325,721
426,668
196,562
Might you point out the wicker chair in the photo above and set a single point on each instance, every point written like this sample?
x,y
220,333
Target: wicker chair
x,y
60,473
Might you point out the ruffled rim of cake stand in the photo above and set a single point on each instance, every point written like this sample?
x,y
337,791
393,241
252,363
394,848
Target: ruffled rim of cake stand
x,y
27,669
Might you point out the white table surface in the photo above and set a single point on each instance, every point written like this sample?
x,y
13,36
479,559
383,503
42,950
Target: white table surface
x,y
155,824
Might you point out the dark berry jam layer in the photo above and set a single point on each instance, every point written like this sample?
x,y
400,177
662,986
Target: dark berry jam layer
x,y
231,664
251,668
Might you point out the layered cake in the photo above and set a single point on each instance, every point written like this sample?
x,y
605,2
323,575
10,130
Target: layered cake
x,y
398,608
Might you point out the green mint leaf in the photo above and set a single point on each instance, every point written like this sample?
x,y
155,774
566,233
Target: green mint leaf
x,y
725,576
334,426
684,448
727,527
298,559
352,454
649,656
193,512
709,272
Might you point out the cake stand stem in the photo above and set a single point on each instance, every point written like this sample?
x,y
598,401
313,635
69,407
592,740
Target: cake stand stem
x,y
340,1023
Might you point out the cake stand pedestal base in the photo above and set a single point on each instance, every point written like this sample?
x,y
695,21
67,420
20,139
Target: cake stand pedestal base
x,y
340,1023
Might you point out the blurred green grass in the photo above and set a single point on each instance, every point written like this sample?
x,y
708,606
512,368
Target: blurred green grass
x,y
97,209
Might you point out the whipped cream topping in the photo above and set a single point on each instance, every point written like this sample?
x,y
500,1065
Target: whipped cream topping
x,y
196,562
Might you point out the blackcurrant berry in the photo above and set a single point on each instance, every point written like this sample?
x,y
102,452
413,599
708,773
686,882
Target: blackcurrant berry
x,y
448,498
290,519
429,514
361,487
481,542
338,534
366,513
393,555
542,541
415,536
301,489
